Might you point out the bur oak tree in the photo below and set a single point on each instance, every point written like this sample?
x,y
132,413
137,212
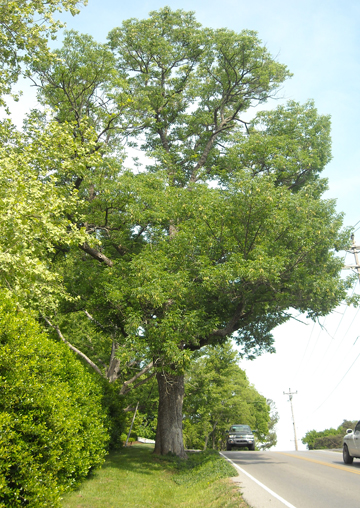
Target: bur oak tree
x,y
222,230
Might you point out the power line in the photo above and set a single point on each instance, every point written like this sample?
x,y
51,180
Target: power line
x,y
354,249
307,346
343,338
327,398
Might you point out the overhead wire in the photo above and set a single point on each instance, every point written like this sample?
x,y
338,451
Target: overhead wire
x,y
333,337
346,373
338,326
307,346
339,345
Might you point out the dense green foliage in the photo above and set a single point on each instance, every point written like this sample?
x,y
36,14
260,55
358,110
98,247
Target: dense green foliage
x,y
185,264
328,438
52,425
225,227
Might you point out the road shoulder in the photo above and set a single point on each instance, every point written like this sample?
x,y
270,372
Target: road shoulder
x,y
255,493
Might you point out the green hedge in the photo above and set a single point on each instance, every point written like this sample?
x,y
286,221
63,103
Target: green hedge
x,y
52,425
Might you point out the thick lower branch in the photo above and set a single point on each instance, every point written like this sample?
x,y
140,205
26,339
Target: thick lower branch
x,y
96,254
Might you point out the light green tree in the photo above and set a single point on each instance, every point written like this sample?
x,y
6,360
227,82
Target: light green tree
x,y
269,439
38,217
25,27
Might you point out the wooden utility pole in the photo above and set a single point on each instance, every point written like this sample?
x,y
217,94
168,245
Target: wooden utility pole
x,y
290,393
355,250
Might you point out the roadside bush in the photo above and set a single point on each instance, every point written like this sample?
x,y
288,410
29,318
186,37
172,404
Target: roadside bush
x,y
328,438
328,442
52,425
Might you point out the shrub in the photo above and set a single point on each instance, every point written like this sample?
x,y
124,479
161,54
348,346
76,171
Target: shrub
x,y
328,442
52,425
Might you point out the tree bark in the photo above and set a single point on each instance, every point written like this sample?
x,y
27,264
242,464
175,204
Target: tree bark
x,y
213,435
169,437
206,441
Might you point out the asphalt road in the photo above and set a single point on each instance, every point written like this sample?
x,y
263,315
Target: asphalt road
x,y
306,479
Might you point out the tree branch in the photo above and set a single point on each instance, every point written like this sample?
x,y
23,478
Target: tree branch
x,y
94,320
73,348
96,254
125,389
137,384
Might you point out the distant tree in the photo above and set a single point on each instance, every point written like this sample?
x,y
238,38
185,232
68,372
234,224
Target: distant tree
x,y
270,439
328,438
217,395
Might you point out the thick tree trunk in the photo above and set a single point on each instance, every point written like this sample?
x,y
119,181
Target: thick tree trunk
x,y
169,437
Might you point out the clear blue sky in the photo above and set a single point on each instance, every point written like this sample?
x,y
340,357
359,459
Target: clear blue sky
x,y
319,40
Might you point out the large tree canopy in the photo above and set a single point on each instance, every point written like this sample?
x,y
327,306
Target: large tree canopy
x,y
222,231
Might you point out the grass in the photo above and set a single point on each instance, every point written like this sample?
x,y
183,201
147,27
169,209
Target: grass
x,y
135,478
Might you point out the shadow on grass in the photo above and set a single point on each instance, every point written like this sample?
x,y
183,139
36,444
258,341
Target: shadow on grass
x,y
137,459
135,477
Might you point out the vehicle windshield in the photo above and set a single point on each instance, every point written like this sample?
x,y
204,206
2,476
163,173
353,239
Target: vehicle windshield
x,y
244,429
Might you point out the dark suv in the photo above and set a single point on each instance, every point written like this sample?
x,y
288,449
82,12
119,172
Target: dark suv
x,y
240,436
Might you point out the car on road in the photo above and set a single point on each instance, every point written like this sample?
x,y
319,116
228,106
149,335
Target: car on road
x,y
351,444
240,436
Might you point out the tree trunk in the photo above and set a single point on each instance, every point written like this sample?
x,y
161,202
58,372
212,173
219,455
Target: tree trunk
x,y
213,435
169,437
206,441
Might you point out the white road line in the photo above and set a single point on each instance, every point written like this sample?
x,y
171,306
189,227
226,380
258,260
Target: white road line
x,y
282,500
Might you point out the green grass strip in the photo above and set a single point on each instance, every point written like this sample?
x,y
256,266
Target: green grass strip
x,y
136,478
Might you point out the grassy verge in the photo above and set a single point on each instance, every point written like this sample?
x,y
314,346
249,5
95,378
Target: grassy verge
x,y
134,478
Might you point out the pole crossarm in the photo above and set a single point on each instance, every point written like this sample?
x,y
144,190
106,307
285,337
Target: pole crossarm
x,y
355,251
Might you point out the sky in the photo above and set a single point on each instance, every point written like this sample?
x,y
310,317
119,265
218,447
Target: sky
x,y
319,40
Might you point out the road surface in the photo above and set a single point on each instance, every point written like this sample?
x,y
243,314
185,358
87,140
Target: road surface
x,y
306,479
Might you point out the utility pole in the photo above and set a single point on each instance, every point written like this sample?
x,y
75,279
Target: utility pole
x,y
355,250
290,393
